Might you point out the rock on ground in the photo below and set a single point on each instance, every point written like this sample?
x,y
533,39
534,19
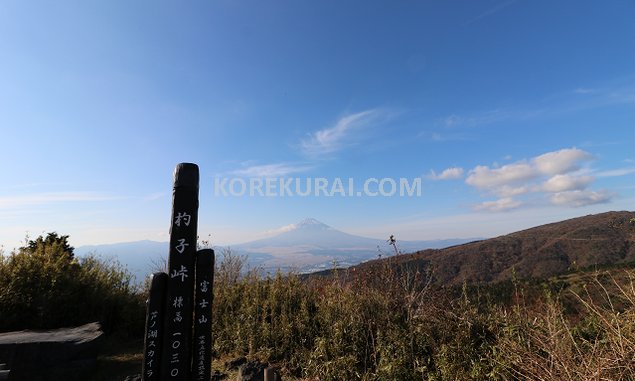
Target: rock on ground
x,y
61,354
251,371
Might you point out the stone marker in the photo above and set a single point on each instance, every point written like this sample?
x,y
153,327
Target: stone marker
x,y
60,354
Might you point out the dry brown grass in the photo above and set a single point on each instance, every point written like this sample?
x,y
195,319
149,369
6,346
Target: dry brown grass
x,y
540,343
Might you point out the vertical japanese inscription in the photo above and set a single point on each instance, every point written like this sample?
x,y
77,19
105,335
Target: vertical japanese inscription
x,y
154,328
201,350
180,290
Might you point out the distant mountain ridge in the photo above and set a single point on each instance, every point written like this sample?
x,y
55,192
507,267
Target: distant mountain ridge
x,y
605,239
140,257
306,246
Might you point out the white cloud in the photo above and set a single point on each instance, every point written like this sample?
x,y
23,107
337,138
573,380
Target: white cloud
x,y
577,198
334,138
558,175
485,177
271,170
283,229
447,174
509,191
562,161
500,205
561,183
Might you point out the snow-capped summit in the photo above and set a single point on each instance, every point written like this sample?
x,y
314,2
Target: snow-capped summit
x,y
311,223
311,244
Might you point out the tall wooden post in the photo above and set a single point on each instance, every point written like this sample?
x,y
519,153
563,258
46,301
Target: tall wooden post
x,y
202,358
180,291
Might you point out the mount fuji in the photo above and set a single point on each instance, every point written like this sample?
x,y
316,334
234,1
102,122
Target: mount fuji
x,y
311,245
306,246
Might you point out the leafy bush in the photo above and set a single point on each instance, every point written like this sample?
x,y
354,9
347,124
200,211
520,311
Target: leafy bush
x,y
43,285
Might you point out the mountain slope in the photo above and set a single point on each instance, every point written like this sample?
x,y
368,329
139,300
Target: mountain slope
x,y
540,252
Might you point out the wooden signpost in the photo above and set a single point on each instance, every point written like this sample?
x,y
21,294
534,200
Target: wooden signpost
x,y
155,317
201,368
180,301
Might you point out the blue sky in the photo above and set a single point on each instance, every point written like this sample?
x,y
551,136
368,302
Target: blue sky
x,y
513,113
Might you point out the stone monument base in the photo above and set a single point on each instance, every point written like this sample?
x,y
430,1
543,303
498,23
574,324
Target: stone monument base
x,y
60,354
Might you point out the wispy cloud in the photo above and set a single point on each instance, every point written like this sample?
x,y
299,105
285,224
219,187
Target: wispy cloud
x,y
497,8
340,135
569,101
583,90
616,172
347,131
33,185
443,136
455,121
272,170
452,121
447,174
12,202
155,196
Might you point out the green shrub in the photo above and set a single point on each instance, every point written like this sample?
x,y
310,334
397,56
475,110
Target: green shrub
x,y
43,285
